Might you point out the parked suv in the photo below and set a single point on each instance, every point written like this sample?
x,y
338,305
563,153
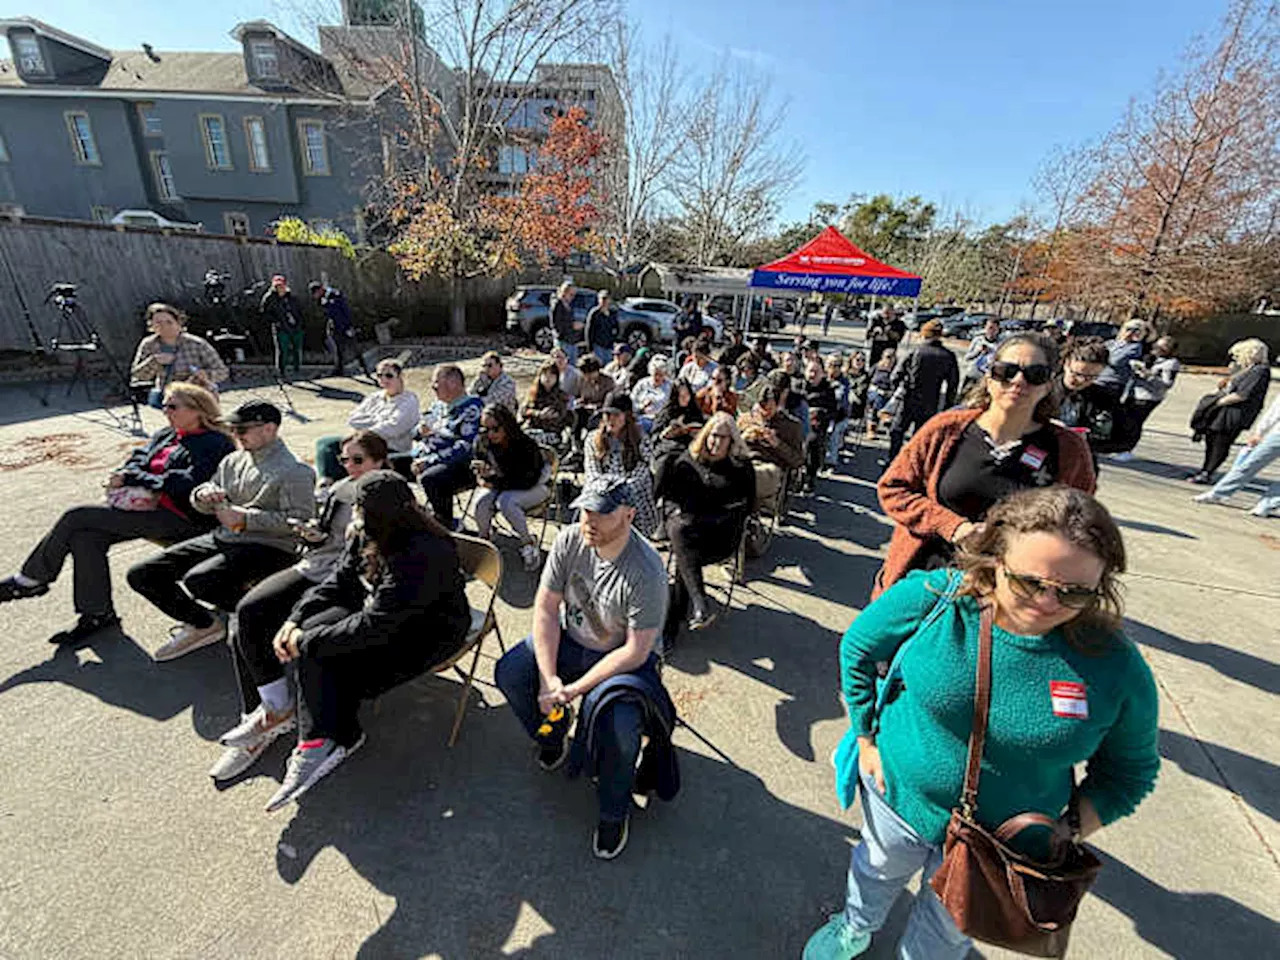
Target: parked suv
x,y
644,321
529,312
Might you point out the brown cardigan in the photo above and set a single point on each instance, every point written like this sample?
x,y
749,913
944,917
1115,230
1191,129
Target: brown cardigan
x,y
909,487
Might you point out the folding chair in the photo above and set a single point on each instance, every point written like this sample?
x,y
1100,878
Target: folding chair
x,y
479,559
542,510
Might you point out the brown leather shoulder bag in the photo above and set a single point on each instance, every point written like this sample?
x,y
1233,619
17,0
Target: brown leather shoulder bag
x,y
994,893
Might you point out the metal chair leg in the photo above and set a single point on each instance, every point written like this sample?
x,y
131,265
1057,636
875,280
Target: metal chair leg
x,y
466,692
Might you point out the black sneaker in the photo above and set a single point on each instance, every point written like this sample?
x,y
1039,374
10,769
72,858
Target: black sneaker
x,y
552,755
11,589
88,625
610,839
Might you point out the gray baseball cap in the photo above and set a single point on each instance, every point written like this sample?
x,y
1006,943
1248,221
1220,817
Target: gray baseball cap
x,y
604,495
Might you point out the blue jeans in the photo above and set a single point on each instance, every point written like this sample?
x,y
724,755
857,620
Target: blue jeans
x,y
888,856
1251,462
618,729
603,354
836,440
570,350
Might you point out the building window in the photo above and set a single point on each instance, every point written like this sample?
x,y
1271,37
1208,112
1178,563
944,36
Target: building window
x,y
150,120
100,214
237,224
4,150
255,134
27,49
266,61
163,173
513,160
217,149
82,142
315,154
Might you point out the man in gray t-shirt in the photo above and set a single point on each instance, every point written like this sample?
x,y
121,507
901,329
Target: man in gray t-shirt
x,y
598,612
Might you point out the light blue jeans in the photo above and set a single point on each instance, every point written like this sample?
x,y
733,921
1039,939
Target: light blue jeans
x,y
1251,462
836,440
888,856
570,350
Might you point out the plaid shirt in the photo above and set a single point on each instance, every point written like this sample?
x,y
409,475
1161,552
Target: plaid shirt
x,y
501,391
190,353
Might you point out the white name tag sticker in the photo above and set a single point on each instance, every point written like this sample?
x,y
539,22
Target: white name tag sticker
x,y
1068,699
1033,457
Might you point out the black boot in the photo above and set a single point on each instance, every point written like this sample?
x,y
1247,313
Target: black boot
x,y
87,626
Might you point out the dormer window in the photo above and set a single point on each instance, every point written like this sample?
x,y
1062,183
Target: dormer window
x,y
26,50
266,61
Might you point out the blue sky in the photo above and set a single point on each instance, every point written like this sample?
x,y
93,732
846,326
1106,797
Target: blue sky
x,y
955,100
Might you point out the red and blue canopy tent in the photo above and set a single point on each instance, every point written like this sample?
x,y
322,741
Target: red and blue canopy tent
x,y
830,263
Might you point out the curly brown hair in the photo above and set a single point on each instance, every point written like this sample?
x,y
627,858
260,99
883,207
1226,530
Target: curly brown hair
x,y
1072,514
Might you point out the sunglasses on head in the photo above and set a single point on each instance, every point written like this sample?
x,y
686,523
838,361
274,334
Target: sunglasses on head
x,y
355,458
1069,595
1035,374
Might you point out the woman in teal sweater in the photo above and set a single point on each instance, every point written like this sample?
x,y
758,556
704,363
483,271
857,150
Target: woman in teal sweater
x,y
1067,688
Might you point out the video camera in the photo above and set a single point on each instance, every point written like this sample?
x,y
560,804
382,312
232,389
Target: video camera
x,y
62,295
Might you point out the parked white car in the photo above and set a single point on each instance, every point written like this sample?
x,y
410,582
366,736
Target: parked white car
x,y
149,218
646,320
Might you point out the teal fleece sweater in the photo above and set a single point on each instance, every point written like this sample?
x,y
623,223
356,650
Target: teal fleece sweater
x,y
1033,740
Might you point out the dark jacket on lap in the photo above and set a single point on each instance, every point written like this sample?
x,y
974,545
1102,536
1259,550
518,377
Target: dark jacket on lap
x,y
191,464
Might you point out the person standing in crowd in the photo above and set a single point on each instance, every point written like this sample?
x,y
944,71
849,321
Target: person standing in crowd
x,y
828,312
171,355
1121,354
493,385
602,327
978,357
570,379
774,442
391,412
841,385
961,462
880,389
511,475
619,448
859,387
282,310
821,399
339,331
1261,448
931,377
1082,405
619,368
1221,417
597,613
546,407
1037,595
447,436
688,324
255,494
568,330
709,491
718,395
392,609
651,394
1153,377
147,498
266,700
736,349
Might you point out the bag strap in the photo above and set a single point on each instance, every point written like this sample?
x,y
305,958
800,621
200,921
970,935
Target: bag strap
x,y
981,710
948,596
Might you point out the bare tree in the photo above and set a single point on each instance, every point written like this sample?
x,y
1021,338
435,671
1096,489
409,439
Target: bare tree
x,y
732,169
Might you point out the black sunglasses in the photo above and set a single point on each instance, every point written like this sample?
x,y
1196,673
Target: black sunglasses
x,y
355,458
388,374
171,406
1035,374
1069,595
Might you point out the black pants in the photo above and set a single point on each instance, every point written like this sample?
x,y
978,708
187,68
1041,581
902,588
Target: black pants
x,y
342,345
815,451
331,686
1217,447
694,545
440,482
86,534
207,569
1129,421
908,418
258,618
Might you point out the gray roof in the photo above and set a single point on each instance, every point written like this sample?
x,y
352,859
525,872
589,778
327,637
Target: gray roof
x,y
181,72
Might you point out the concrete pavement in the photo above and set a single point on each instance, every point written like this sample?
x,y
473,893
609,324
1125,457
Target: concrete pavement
x,y
115,842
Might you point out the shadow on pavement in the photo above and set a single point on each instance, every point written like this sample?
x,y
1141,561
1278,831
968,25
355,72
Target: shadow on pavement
x,y
1154,528
1236,664
1185,924
472,842
1252,779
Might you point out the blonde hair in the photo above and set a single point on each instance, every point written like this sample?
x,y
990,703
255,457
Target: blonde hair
x,y
1249,353
564,288
200,400
737,446
389,364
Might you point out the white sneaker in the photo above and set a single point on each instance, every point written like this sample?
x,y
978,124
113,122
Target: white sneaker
x,y
235,761
1209,497
186,638
531,556
307,766
259,728
1265,514
1124,456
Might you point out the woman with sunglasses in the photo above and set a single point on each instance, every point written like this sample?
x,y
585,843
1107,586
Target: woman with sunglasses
x,y
962,461
265,697
510,478
391,412
148,498
1068,688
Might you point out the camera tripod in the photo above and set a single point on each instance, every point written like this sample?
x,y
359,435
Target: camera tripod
x,y
76,335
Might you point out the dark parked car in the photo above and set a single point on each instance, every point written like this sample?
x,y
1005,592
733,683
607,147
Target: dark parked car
x,y
529,312
963,324
1088,328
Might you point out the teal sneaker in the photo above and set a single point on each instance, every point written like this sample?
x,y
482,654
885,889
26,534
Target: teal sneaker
x,y
836,940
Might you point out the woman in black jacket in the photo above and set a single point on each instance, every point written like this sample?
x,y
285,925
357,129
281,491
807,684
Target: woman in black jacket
x,y
147,499
709,490
392,609
1220,418
820,396
676,424
509,468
